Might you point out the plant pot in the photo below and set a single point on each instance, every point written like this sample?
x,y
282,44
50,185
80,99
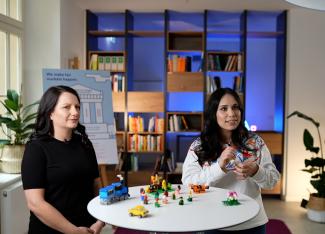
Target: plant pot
x,y
11,157
316,208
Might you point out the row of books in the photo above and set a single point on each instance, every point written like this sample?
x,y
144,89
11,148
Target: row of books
x,y
155,124
224,62
145,143
177,123
118,81
107,63
178,63
214,83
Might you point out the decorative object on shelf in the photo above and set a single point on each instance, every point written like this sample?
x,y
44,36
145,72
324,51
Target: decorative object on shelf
x,y
316,166
18,122
231,199
311,4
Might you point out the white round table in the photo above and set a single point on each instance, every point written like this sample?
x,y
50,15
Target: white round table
x,y
205,212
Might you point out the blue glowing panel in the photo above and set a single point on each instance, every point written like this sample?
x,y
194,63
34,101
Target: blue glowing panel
x,y
146,64
185,21
261,83
111,21
185,101
223,43
224,21
147,22
262,21
110,44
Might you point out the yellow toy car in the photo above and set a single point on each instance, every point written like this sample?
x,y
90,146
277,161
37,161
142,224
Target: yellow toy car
x,y
138,211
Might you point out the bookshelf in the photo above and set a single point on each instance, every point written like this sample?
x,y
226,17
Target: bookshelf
x,y
173,60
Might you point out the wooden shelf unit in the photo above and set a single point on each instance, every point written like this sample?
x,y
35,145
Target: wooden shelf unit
x,y
185,82
214,34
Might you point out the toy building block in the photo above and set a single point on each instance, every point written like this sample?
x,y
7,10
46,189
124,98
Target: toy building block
x,y
231,199
181,201
145,199
197,188
138,211
114,192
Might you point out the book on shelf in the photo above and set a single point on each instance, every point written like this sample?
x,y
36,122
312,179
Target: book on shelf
x,y
184,122
114,63
101,63
178,63
237,86
120,63
93,63
188,63
171,123
107,63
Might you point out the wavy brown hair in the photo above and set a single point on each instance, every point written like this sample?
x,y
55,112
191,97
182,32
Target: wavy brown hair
x,y
211,145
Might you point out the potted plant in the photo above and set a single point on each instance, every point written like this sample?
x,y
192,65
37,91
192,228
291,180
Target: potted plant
x,y
315,166
16,124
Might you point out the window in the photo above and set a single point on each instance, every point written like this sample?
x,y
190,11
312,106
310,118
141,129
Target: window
x,y
11,29
11,8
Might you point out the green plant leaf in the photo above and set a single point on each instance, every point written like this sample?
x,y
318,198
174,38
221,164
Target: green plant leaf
x,y
13,96
12,105
303,116
310,170
26,109
319,186
309,142
315,162
316,176
4,142
7,108
5,120
29,118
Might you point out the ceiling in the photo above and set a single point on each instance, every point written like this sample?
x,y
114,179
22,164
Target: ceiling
x,y
182,5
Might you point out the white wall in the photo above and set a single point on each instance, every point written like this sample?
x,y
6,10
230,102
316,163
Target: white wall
x,y
73,31
305,92
41,44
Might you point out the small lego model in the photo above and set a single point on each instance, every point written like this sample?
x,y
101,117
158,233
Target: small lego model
x,y
145,199
142,193
164,199
174,196
199,188
190,198
231,199
138,211
157,184
164,185
157,203
181,201
114,192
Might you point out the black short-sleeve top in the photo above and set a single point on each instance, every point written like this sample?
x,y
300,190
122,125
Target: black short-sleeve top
x,y
65,170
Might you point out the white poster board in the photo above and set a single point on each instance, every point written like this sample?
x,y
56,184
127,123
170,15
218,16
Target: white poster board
x,y
96,111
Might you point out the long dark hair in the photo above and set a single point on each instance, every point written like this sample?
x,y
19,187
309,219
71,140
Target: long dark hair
x,y
211,139
44,126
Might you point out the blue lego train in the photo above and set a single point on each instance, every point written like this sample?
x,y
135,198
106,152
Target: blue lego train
x,y
114,192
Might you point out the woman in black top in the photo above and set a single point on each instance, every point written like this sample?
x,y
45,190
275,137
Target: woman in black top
x,y
59,168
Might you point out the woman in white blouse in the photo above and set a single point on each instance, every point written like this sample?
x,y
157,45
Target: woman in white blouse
x,y
228,156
